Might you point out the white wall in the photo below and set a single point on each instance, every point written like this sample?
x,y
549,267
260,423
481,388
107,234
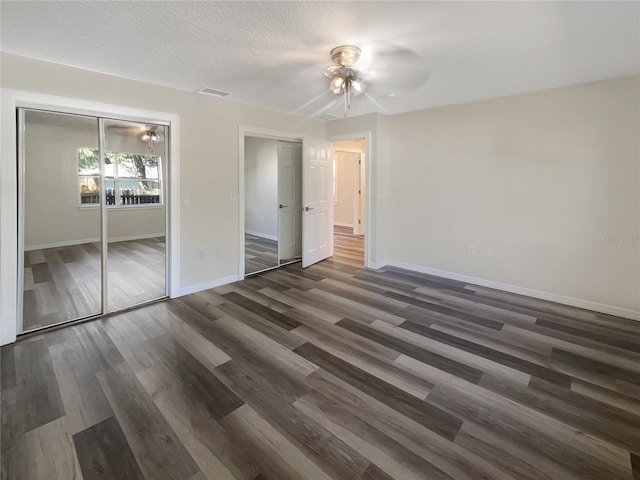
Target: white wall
x,y
208,152
261,187
52,214
345,179
545,185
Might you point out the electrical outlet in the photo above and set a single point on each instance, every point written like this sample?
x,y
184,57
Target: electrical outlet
x,y
472,250
233,195
202,254
219,251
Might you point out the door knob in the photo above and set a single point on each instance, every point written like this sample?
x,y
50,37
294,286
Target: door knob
x,y
283,206
306,209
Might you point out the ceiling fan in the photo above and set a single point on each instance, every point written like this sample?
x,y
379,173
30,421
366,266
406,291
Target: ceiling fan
x,y
391,70
345,76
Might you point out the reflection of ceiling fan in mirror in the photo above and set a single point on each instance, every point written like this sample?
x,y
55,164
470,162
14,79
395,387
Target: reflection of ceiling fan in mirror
x,y
151,135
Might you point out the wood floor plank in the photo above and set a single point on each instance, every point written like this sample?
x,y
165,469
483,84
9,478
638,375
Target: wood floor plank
x,y
300,300
446,459
44,453
264,325
517,460
195,380
207,353
424,413
539,395
334,456
456,368
608,397
590,457
495,356
635,465
103,453
382,451
262,311
367,362
277,456
188,415
35,398
84,401
157,450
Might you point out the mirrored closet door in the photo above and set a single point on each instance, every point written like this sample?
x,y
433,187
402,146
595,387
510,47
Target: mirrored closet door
x,y
92,229
136,217
273,203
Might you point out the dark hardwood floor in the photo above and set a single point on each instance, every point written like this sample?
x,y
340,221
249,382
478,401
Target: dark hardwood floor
x,y
329,372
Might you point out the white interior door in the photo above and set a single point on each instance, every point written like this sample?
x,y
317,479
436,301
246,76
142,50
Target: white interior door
x,y
317,201
289,200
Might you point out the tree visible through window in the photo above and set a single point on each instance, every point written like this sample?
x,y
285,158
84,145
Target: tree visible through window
x,y
130,178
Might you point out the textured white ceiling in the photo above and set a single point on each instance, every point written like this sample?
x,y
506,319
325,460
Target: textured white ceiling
x,y
272,54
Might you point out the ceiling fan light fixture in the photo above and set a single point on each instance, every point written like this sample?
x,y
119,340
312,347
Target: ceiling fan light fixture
x,y
337,85
345,77
333,70
345,55
358,86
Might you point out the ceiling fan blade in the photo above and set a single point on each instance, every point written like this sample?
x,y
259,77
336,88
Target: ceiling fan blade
x,y
395,69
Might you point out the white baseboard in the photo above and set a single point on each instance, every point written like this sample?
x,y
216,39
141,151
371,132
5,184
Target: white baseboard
x,y
378,265
68,243
207,285
262,235
343,224
529,292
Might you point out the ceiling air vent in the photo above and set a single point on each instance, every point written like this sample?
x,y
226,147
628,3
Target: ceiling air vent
x,y
215,93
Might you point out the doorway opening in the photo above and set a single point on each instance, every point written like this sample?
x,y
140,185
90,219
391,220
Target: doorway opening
x,y
272,203
349,200
307,210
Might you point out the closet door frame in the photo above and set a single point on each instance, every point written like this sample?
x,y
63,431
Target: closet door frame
x,y
11,239
248,131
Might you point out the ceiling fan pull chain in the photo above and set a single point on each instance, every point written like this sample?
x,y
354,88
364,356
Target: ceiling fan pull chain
x,y
347,97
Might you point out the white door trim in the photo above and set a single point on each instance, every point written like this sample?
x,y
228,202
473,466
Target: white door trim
x,y
249,131
12,99
368,191
356,196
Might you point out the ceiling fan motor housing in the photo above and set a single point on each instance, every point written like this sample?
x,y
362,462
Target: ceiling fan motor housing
x,y
345,55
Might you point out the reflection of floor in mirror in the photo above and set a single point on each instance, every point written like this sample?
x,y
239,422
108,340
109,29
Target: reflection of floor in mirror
x,y
347,247
63,283
259,253
297,258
